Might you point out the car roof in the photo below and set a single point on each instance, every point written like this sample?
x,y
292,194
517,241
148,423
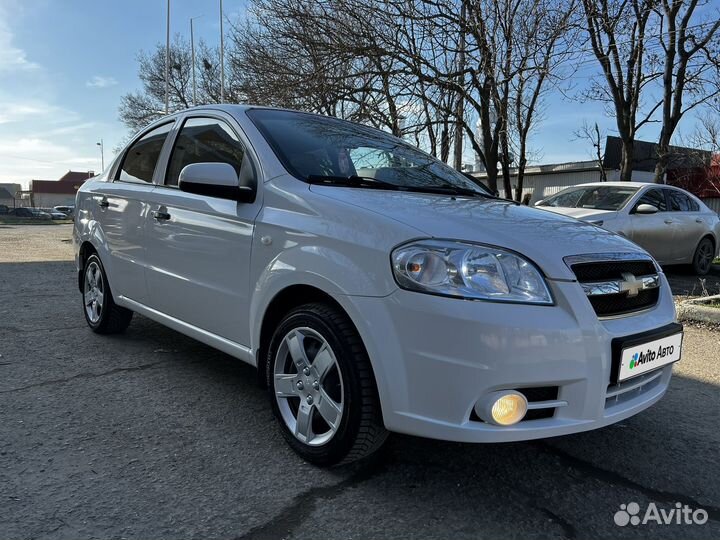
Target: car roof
x,y
614,184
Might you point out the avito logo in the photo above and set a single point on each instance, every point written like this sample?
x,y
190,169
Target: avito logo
x,y
650,355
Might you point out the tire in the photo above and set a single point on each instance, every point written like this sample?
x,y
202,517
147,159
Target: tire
x,y
102,315
321,387
703,257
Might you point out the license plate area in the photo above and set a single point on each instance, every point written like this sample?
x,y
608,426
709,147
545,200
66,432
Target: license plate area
x,y
641,353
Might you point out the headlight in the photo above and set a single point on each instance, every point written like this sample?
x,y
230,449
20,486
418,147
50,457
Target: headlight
x,y
468,271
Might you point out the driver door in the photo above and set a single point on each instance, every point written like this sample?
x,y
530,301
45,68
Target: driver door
x,y
653,232
199,246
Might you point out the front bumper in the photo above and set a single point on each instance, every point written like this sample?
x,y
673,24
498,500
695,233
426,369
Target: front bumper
x,y
435,357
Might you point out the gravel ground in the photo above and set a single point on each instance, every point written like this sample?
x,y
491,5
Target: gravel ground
x,y
34,243
154,435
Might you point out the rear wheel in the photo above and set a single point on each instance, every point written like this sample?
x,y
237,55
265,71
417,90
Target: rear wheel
x,y
101,313
703,258
322,389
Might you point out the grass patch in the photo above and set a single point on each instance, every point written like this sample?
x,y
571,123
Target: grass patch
x,y
10,220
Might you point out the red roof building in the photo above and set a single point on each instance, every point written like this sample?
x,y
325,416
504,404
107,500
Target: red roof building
x,y
49,193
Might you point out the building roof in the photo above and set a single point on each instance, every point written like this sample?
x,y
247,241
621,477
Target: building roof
x,y
645,156
5,194
75,176
552,168
68,184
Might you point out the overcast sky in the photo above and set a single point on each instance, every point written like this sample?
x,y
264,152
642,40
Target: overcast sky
x,y
65,64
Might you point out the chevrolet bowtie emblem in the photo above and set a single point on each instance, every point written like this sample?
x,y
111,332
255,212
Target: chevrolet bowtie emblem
x,y
630,284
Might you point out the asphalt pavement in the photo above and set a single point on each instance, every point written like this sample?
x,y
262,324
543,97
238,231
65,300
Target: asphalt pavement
x,y
151,434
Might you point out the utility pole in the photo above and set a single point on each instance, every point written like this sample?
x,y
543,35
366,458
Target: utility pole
x,y
192,49
222,56
167,61
102,155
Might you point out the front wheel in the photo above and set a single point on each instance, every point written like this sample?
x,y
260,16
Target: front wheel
x,y
703,257
322,388
102,315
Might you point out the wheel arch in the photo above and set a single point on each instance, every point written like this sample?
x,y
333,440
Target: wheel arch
x,y
280,305
712,238
86,249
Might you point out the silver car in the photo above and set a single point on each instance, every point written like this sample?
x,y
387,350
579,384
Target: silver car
x,y
374,288
672,224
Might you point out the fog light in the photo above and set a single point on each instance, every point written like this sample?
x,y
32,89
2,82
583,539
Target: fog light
x,y
502,408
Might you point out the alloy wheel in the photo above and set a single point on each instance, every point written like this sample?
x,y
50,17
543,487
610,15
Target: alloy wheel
x,y
704,256
308,386
93,292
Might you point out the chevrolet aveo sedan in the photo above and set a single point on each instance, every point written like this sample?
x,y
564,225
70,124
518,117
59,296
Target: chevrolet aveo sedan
x,y
674,226
375,289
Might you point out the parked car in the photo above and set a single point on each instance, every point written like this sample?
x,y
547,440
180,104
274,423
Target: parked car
x,y
58,215
673,225
374,288
28,212
4,209
67,210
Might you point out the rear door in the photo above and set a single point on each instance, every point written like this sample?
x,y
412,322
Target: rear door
x,y
121,210
199,246
689,225
654,232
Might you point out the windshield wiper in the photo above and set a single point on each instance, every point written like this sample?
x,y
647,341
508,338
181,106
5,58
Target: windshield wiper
x,y
374,183
351,181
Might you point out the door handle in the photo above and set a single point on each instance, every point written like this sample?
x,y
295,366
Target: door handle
x,y
698,220
103,203
668,221
160,215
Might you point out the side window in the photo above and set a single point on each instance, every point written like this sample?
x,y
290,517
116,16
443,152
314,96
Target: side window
x,y
204,140
655,197
141,158
679,202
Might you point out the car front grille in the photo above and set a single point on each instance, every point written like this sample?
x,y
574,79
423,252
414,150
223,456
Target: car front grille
x,y
617,284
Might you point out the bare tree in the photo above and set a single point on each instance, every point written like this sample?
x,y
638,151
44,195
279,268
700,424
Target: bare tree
x,y
691,48
593,135
137,109
618,31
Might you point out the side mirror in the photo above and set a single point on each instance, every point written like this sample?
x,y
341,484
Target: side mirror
x,y
214,180
646,209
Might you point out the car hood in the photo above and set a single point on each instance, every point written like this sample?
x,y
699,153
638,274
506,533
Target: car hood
x,y
585,214
543,237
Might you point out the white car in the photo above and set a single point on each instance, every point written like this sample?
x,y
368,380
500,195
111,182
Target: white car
x,y
673,225
375,289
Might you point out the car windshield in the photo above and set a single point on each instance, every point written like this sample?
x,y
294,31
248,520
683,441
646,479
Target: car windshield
x,y
592,197
326,150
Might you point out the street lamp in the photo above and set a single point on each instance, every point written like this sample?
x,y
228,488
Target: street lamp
x,y
192,50
167,60
102,154
222,57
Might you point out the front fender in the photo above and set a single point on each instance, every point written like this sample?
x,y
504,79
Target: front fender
x,y
330,271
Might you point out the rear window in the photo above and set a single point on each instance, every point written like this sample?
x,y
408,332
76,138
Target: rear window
x,y
680,202
141,158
